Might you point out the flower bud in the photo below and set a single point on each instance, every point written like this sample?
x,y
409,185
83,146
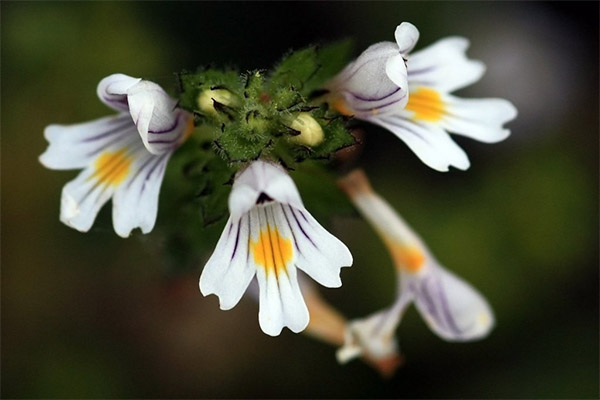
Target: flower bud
x,y
311,133
207,99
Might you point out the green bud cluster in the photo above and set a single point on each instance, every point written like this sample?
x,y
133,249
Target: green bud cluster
x,y
240,117
274,114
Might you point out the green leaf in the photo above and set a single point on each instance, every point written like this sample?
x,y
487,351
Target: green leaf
x,y
295,69
332,58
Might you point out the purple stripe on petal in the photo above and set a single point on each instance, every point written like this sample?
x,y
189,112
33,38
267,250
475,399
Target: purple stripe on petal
x,y
423,292
139,171
291,229
446,308
105,146
121,100
123,123
406,127
169,129
249,237
237,238
302,229
382,106
149,174
163,141
373,98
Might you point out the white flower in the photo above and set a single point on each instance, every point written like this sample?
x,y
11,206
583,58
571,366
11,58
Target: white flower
x,y
451,307
123,157
269,234
376,82
428,111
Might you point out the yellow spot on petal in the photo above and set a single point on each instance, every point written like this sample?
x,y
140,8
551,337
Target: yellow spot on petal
x,y
112,168
427,104
409,258
375,111
340,105
483,319
272,251
189,128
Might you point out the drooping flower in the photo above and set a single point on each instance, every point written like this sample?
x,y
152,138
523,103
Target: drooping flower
x,y
428,112
269,234
123,157
451,307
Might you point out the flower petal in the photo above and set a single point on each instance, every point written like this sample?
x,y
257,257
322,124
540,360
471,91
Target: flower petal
x,y
429,142
479,119
374,336
406,35
444,65
451,307
230,269
368,86
160,124
83,197
320,254
262,178
281,303
76,146
112,90
135,203
395,68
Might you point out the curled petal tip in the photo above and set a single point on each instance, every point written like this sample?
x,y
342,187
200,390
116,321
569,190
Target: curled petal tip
x,y
406,36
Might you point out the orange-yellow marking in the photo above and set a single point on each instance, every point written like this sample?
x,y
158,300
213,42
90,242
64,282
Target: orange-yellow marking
x,y
112,168
408,258
427,104
189,128
340,105
272,251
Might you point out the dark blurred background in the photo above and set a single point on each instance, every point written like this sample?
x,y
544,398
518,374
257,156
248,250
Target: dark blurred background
x,y
95,316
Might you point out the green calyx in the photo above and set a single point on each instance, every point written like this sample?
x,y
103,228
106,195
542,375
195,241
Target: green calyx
x,y
270,114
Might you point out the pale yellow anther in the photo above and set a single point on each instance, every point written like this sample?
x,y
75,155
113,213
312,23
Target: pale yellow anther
x,y
207,98
311,133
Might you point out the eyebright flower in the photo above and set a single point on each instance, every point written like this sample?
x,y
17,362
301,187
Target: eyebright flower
x,y
452,308
122,156
376,82
428,111
269,234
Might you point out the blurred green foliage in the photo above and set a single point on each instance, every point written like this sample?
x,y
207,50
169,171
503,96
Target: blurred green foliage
x,y
94,316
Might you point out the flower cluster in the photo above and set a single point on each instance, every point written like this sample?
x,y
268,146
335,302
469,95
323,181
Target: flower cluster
x,y
261,125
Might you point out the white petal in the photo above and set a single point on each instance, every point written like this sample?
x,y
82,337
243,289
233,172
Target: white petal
x,y
154,112
406,35
230,269
281,303
112,163
395,68
76,146
81,201
83,197
444,66
112,90
365,84
479,119
320,254
374,336
135,203
429,142
258,178
451,307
